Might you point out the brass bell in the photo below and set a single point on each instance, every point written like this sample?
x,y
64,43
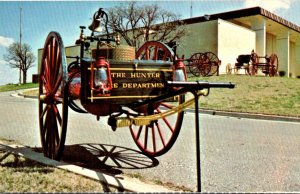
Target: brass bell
x,y
96,24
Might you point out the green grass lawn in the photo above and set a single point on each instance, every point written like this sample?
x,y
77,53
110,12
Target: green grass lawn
x,y
11,87
254,94
258,94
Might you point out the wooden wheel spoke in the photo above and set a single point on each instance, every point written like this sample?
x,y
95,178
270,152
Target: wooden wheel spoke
x,y
168,124
166,121
57,84
139,133
155,54
153,138
51,129
46,73
45,126
167,105
46,84
54,65
160,134
147,54
52,54
57,73
146,138
57,114
44,112
49,61
55,138
48,127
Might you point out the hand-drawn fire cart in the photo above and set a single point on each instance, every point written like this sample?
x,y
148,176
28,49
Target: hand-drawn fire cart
x,y
252,63
144,91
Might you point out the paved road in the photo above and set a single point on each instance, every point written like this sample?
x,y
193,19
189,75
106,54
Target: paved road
x,y
242,155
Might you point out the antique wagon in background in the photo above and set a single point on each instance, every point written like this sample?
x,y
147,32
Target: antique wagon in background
x,y
204,64
252,63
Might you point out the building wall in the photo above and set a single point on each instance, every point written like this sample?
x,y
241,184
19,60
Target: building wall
x,y
293,70
297,59
271,44
233,40
201,38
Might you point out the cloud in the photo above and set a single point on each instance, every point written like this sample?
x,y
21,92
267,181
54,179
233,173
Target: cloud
x,y
270,5
5,41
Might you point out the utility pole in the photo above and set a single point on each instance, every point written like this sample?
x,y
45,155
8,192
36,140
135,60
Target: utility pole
x,y
191,9
20,45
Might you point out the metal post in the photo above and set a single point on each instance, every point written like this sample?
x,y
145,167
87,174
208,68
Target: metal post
x,y
197,128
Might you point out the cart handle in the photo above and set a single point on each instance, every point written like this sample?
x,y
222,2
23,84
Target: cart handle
x,y
199,85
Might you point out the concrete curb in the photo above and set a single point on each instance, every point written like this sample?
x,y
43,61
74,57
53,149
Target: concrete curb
x,y
20,93
122,183
248,115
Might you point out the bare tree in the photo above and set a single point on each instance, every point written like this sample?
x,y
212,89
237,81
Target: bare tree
x,y
20,58
137,23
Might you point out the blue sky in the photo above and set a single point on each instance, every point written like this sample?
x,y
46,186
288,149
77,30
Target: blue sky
x,y
65,17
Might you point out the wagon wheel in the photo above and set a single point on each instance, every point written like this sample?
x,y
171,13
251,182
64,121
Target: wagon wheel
x,y
228,69
198,65
213,61
158,137
248,69
153,50
253,68
236,69
53,98
273,65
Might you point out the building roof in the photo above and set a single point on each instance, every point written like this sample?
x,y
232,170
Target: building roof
x,y
244,13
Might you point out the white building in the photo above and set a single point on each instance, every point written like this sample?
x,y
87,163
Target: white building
x,y
230,34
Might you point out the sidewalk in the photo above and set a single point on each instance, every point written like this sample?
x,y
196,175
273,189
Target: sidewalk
x,y
121,182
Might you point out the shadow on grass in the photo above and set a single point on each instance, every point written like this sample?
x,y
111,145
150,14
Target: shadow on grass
x,y
109,159
20,164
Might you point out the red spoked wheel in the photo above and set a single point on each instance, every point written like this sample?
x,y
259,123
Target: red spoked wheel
x,y
53,98
154,50
273,65
158,137
199,65
213,61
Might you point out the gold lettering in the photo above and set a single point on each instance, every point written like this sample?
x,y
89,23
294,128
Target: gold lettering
x,y
144,75
141,85
133,75
115,85
118,75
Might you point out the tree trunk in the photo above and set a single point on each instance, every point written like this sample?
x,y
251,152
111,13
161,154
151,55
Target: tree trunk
x,y
24,76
